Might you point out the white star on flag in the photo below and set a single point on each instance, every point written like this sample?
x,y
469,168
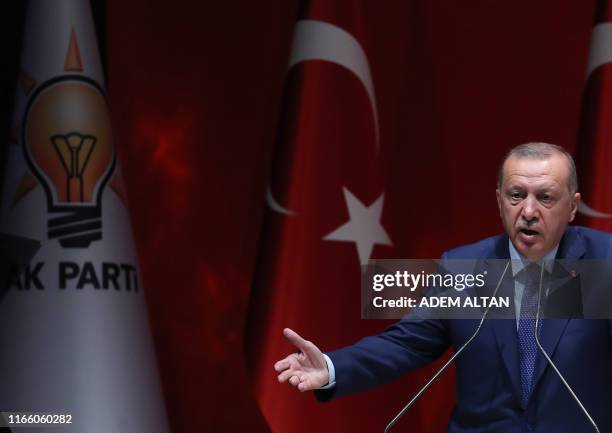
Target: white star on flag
x,y
363,227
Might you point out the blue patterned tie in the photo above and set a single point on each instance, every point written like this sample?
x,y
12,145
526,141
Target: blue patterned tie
x,y
526,329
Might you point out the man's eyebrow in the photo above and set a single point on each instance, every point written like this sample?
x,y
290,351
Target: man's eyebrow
x,y
550,186
514,185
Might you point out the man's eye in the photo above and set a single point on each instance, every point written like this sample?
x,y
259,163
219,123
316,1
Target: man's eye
x,y
515,195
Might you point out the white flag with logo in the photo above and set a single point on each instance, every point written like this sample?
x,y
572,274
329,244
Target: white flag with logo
x,y
73,326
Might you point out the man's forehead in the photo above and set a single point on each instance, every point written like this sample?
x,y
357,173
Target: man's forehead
x,y
536,183
547,170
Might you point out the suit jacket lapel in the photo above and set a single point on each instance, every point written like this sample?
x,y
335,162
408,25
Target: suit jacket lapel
x,y
572,248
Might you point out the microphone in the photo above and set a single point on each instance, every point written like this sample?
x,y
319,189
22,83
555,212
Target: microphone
x,y
447,363
550,361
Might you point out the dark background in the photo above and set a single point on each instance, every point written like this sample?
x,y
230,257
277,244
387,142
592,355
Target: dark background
x,y
194,92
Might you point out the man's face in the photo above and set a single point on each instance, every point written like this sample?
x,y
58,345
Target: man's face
x,y
535,204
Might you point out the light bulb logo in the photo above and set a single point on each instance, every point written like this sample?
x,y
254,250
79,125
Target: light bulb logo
x,y
74,151
67,141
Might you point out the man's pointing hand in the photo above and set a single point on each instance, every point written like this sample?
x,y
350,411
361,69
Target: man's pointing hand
x,y
307,369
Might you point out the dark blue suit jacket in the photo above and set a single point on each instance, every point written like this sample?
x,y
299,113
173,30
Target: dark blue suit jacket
x,y
488,381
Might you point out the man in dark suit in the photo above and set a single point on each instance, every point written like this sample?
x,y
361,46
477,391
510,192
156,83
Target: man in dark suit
x,y
503,382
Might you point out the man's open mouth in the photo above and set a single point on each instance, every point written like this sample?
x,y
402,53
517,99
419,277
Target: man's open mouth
x,y
529,232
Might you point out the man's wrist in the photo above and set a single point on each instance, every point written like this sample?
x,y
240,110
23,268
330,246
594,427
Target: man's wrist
x,y
331,372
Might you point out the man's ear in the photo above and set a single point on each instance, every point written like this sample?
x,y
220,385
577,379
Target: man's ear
x,y
574,206
499,204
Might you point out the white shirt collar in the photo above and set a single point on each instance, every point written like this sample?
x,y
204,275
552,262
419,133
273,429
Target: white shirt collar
x,y
519,262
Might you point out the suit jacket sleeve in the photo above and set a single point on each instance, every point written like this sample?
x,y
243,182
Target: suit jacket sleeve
x,y
376,360
405,346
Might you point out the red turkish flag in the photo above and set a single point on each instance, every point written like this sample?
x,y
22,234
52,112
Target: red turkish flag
x,y
323,219
594,147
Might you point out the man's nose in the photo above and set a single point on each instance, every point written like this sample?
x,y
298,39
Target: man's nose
x,y
530,208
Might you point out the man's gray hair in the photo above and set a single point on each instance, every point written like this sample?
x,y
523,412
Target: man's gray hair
x,y
538,150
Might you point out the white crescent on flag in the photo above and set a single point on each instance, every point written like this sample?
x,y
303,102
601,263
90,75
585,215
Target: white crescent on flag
x,y
601,47
318,40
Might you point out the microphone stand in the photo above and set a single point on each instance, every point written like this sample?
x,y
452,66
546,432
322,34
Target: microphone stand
x,y
447,363
550,361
